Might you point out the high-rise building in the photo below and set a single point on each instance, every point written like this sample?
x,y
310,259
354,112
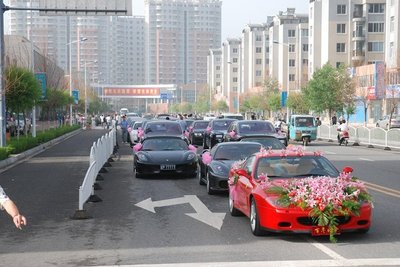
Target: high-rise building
x,y
347,32
231,62
111,47
392,39
179,34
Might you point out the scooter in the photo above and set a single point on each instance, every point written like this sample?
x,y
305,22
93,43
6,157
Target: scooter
x,y
343,138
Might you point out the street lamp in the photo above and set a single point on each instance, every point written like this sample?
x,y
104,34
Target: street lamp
x,y
85,64
82,39
288,81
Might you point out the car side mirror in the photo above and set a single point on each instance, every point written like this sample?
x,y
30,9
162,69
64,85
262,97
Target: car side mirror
x,y
348,169
242,172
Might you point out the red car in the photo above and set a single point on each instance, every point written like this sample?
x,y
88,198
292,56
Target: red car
x,y
287,191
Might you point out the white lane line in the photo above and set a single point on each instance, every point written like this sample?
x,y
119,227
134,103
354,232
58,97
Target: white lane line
x,y
367,159
304,263
329,152
327,251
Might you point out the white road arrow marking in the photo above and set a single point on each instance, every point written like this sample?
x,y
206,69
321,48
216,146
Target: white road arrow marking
x,y
203,214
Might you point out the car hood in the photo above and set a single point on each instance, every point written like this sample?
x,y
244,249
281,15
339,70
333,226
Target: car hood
x,y
223,166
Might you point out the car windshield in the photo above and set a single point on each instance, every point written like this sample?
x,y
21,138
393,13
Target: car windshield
x,y
304,122
274,143
163,128
137,125
289,167
221,125
256,127
236,151
200,125
164,144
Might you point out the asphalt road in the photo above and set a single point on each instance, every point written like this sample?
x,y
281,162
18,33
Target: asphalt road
x,y
122,232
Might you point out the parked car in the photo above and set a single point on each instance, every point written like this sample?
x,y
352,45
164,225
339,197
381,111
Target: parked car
x,y
215,132
281,191
163,127
241,128
265,140
196,132
133,134
384,122
165,156
215,169
236,116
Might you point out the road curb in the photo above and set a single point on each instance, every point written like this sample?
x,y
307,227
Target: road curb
x,y
18,158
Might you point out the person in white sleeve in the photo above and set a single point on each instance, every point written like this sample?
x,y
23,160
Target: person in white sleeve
x,y
7,204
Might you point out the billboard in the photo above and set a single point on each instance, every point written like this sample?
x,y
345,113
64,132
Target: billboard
x,y
85,7
41,77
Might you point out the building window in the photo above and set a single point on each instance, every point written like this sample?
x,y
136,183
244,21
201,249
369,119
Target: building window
x,y
341,47
258,50
292,48
292,77
218,67
376,8
218,76
338,64
234,69
234,60
391,49
235,79
391,24
341,9
234,50
267,49
291,33
258,61
218,84
258,38
376,27
375,46
304,32
340,28
305,47
305,61
258,73
292,63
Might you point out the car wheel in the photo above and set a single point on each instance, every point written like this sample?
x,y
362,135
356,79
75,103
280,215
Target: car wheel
x,y
254,219
137,175
232,210
210,191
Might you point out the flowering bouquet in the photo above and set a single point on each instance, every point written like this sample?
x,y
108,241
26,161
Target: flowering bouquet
x,y
325,197
232,180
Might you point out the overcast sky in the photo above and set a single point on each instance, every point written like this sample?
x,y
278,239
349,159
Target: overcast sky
x,y
237,13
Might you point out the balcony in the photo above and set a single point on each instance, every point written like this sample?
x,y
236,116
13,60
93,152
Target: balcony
x,y
358,55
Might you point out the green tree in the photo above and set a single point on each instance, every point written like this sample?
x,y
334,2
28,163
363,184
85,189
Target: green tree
x,y
57,100
274,101
221,106
329,89
297,103
22,89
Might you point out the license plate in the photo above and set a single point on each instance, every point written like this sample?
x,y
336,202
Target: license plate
x,y
322,230
167,167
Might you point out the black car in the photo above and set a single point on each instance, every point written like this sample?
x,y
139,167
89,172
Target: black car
x,y
239,129
196,132
266,141
166,156
215,172
162,127
215,132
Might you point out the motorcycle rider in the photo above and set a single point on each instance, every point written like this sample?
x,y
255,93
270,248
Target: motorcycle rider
x,y
341,129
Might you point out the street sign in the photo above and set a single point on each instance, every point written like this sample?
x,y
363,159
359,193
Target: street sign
x,y
284,96
85,8
75,95
41,77
164,96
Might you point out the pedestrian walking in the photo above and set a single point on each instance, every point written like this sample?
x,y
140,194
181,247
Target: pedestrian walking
x,y
7,204
334,120
124,128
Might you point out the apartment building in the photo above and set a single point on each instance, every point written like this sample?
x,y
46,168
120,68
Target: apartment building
x,y
179,34
214,67
346,32
289,47
231,63
111,47
392,38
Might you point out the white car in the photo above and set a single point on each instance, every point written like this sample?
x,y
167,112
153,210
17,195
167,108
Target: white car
x,y
133,135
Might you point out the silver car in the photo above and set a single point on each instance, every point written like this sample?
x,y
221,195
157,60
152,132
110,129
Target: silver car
x,y
384,122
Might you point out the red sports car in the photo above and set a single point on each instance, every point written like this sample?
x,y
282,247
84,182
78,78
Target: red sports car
x,y
296,191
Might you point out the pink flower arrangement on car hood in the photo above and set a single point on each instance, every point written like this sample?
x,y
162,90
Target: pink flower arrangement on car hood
x,y
137,147
140,132
192,148
232,134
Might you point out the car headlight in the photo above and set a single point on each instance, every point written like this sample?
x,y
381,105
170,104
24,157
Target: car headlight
x,y
197,134
142,157
191,156
219,169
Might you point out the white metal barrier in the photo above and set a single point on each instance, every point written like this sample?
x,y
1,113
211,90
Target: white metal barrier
x,y
363,135
100,152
